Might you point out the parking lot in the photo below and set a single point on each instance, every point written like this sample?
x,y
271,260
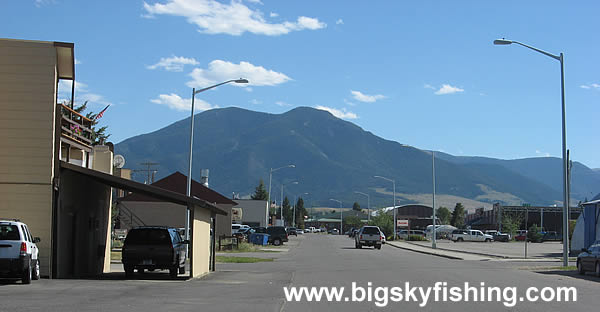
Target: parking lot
x,y
501,249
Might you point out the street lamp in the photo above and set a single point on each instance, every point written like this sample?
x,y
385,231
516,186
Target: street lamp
x,y
281,208
189,177
269,195
368,204
433,235
341,220
559,58
394,205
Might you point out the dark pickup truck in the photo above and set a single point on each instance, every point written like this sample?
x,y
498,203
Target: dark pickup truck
x,y
154,248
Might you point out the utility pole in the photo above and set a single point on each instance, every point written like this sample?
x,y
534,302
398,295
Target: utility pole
x,y
150,172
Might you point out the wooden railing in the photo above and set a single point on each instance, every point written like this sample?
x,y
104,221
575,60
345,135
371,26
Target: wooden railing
x,y
75,126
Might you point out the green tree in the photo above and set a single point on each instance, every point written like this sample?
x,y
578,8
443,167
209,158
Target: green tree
x,y
287,211
443,214
99,135
300,213
384,221
533,234
458,216
352,221
260,193
510,223
356,206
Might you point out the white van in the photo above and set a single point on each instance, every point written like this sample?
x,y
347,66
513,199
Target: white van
x,y
238,227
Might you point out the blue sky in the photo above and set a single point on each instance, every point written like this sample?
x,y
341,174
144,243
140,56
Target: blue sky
x,y
423,73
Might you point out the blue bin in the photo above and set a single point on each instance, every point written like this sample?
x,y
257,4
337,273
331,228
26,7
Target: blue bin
x,y
265,239
253,238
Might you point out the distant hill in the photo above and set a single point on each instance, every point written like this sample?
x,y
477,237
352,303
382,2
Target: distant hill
x,y
333,159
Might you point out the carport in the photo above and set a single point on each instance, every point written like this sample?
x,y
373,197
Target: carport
x,y
82,218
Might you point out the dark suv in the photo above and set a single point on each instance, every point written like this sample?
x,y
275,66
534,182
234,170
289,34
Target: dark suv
x,y
153,247
277,235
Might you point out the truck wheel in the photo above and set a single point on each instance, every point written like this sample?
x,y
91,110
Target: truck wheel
x,y
580,269
598,269
460,239
359,246
173,272
128,271
26,278
276,242
487,240
36,270
378,246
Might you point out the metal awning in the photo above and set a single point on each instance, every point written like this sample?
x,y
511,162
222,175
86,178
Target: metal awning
x,y
141,188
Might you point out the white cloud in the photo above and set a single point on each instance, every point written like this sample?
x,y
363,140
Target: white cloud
x,y
77,62
339,22
542,154
233,18
273,14
343,114
173,63
594,86
282,104
428,86
82,94
255,102
448,89
366,98
219,71
40,3
255,1
349,103
175,102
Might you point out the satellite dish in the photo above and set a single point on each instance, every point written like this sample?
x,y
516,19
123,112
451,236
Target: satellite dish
x,y
119,161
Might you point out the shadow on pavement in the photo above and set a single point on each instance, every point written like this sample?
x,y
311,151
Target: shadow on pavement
x,y
146,276
573,274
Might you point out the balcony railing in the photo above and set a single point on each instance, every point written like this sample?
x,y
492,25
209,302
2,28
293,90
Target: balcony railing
x,y
76,126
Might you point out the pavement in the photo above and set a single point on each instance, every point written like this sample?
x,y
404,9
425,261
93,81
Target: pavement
x,y
310,260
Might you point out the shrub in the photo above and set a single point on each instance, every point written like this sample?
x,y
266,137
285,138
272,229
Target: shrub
x,y
416,238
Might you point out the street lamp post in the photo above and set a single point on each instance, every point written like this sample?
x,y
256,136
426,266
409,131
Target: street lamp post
x,y
189,177
269,195
294,211
341,213
281,208
394,205
433,236
559,58
368,204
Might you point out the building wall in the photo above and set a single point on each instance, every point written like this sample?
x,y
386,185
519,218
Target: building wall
x,y
253,211
154,213
27,109
224,222
201,241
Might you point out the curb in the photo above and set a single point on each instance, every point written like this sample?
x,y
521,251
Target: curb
x,y
466,252
425,252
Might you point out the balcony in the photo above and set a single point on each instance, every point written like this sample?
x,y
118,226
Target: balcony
x,y
76,127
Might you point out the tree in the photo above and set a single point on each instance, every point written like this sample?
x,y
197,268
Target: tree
x,y
458,216
99,135
260,193
356,206
443,214
287,211
300,213
384,221
352,221
534,235
510,223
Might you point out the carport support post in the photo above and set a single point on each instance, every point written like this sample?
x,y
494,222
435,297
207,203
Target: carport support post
x,y
189,177
526,230
433,245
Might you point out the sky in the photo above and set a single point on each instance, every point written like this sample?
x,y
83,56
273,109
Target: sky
x,y
422,73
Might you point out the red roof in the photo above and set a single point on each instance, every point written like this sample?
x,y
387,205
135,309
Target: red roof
x,y
177,182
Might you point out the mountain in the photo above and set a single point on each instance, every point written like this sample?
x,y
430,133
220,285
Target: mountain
x,y
333,159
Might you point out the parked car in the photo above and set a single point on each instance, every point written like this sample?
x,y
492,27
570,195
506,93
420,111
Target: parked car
x,y
244,233
277,235
521,235
18,252
382,237
154,248
499,236
292,231
470,236
300,231
551,236
368,236
311,229
334,231
238,227
589,259
403,234
260,229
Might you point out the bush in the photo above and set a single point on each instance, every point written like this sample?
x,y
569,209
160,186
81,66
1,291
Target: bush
x,y
416,238
534,235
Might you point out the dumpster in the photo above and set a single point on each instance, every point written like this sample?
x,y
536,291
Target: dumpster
x,y
259,239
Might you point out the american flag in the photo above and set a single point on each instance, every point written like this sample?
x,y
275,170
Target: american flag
x,y
101,113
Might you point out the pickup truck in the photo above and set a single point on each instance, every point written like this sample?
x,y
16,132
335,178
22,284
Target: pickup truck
x,y
154,247
368,236
470,236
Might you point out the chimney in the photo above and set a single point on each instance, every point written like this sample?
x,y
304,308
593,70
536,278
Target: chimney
x,y
204,177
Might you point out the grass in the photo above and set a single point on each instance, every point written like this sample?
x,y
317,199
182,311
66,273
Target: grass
x,y
228,259
247,247
562,268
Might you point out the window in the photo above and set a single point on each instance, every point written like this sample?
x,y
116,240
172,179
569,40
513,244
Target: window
x,y
27,238
9,232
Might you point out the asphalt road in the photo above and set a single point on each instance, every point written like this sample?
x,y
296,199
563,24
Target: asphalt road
x,y
312,260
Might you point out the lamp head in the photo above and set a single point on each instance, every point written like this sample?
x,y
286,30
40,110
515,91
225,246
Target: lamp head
x,y
502,41
241,80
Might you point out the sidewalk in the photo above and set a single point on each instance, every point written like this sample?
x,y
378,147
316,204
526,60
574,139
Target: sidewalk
x,y
437,252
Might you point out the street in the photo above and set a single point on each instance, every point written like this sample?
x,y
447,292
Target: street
x,y
312,260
